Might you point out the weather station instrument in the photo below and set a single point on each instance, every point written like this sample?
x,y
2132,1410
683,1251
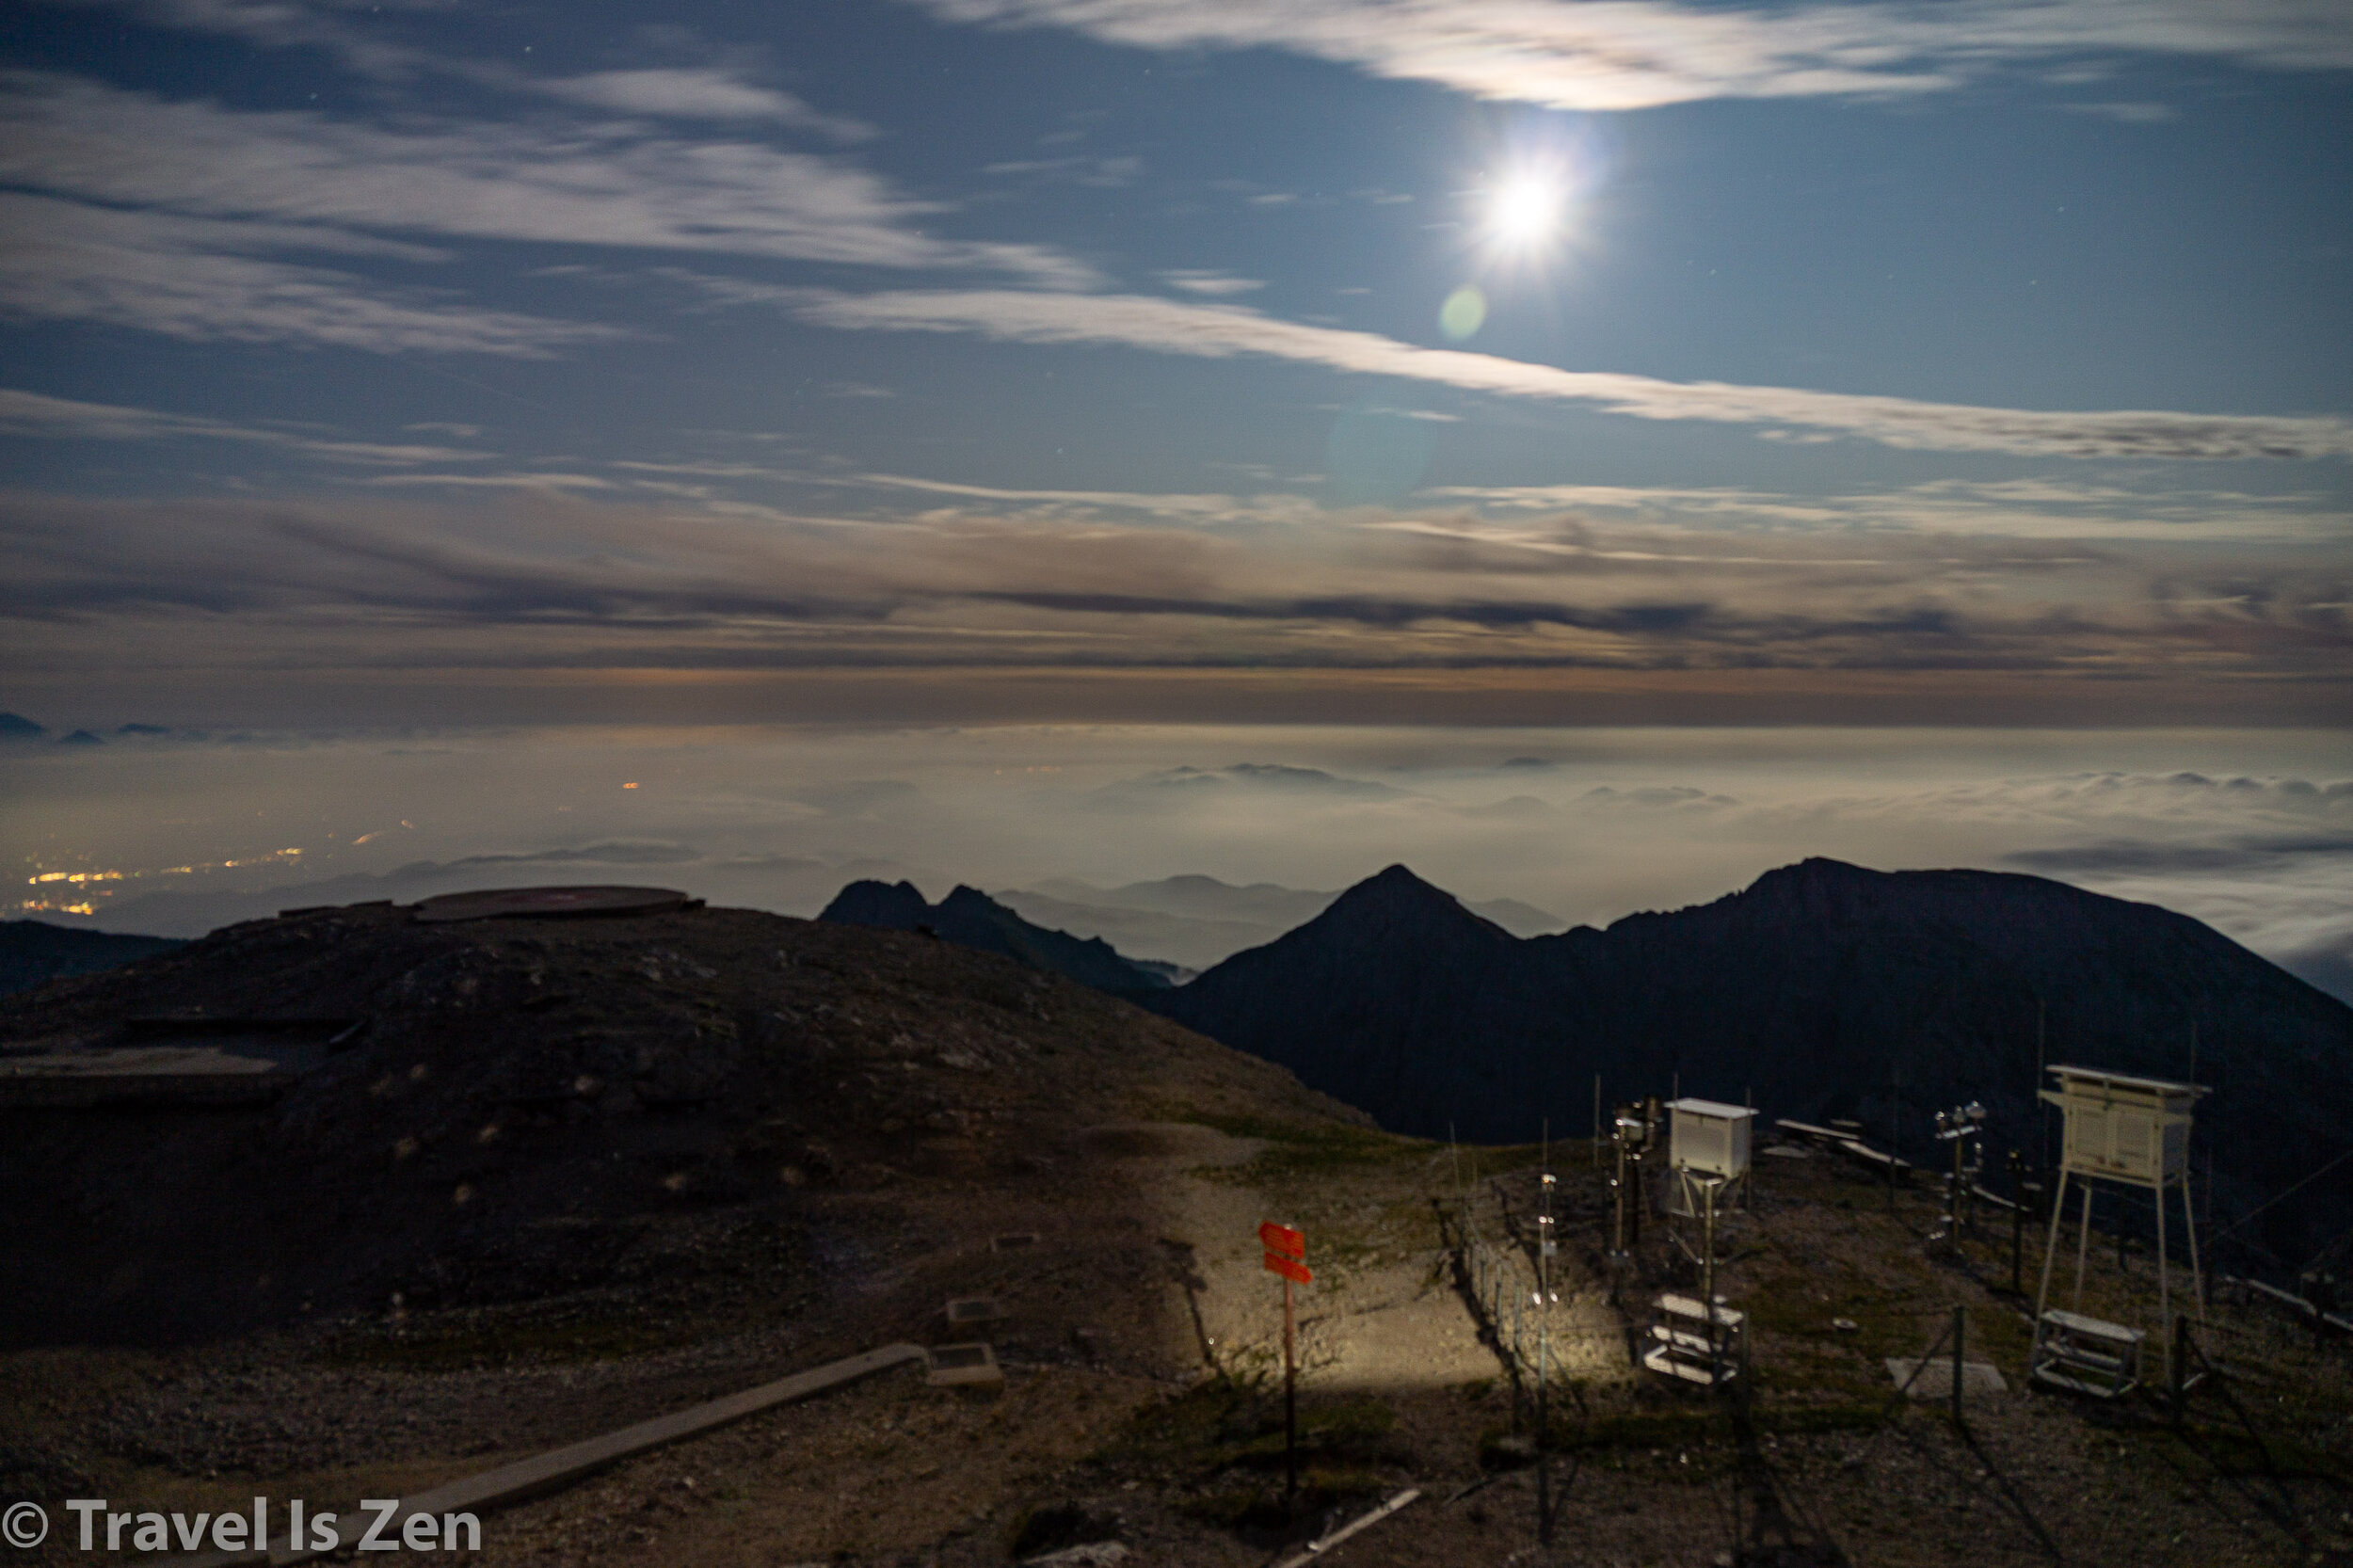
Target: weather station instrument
x,y
1963,1129
1701,1340
2132,1132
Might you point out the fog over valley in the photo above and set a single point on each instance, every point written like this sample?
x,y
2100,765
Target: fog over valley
x,y
175,834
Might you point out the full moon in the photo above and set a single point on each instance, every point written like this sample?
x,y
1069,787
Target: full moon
x,y
1521,211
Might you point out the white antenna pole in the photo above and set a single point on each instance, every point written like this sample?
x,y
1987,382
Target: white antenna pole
x,y
1543,1352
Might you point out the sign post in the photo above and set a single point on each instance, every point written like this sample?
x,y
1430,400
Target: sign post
x,y
1286,1255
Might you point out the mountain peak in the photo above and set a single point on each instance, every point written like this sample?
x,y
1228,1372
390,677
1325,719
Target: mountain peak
x,y
1814,875
971,919
1394,881
1395,902
895,908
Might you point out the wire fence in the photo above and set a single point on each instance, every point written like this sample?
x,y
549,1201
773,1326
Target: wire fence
x,y
1506,1300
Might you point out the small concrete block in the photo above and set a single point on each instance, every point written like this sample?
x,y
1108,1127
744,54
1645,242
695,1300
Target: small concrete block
x,y
974,1309
966,1369
1935,1381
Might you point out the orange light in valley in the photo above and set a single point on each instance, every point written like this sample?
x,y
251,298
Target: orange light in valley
x,y
629,786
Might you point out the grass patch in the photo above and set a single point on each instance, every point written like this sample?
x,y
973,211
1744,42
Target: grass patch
x,y
1295,1149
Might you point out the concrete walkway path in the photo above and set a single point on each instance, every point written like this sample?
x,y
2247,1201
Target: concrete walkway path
x,y
558,1468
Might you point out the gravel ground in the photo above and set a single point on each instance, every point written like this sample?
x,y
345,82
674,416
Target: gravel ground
x,y
830,1213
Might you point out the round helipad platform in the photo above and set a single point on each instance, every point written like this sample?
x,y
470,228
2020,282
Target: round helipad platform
x,y
550,903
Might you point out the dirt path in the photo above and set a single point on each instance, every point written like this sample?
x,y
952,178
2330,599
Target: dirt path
x,y
1383,1313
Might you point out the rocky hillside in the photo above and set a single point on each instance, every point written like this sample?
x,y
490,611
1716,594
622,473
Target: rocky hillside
x,y
1824,990
657,1105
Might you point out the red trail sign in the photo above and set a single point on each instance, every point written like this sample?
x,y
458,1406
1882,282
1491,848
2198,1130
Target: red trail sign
x,y
1286,1255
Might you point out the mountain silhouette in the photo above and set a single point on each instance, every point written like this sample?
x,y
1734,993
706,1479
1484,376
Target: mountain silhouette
x,y
1199,922
971,919
32,951
1822,990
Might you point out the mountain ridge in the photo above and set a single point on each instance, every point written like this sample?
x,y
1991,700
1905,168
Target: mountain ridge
x,y
1200,922
970,918
1822,990
33,952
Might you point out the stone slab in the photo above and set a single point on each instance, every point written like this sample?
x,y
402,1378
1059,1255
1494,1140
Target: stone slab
x,y
967,1369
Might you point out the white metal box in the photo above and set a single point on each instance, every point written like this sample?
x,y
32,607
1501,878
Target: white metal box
x,y
2123,1128
1708,1138
2120,1126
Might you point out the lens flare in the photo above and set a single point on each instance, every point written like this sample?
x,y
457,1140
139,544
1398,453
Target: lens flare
x,y
1463,312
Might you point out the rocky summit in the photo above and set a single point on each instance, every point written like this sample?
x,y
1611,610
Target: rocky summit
x,y
533,1108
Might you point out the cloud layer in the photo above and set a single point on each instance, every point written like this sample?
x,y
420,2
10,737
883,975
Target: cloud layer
x,y
169,215
24,413
1225,332
2250,831
1642,54
197,279
544,582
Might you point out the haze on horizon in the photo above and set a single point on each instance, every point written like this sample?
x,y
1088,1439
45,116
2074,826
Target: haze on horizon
x,y
1622,447
180,834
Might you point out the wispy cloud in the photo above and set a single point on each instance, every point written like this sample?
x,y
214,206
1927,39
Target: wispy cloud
x,y
534,577
25,413
587,183
694,92
1207,506
1226,331
197,278
363,37
1211,283
551,482
1104,173
2129,113
2023,508
333,26
1639,53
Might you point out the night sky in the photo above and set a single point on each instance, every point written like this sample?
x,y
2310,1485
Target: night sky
x,y
1880,422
